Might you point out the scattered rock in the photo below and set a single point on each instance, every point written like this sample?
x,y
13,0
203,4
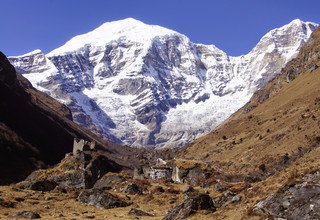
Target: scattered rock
x,y
47,198
158,189
293,201
236,198
188,191
6,204
19,199
172,190
172,201
286,204
26,214
39,185
134,189
74,172
101,199
190,206
138,212
221,187
108,181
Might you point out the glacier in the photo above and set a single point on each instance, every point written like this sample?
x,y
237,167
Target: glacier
x,y
147,86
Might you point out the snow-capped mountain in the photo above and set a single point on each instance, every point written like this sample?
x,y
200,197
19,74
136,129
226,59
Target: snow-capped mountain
x,y
145,85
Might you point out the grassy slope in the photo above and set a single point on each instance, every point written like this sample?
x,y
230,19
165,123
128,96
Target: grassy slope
x,y
279,126
282,133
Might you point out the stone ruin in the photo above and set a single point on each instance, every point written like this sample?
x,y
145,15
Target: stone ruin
x,y
160,171
80,145
178,171
153,172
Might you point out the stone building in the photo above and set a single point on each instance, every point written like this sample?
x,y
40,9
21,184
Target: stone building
x,y
80,145
179,171
191,172
160,171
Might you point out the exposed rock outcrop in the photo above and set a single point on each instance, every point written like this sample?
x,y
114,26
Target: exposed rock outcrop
x,y
297,200
26,214
138,212
75,172
190,206
101,199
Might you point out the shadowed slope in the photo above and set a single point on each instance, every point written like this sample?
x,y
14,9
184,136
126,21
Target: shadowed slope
x,y
36,130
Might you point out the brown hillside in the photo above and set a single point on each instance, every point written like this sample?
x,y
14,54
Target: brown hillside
x,y
284,125
271,141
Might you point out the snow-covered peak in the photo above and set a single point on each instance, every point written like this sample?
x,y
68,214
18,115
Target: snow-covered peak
x,y
294,25
291,35
37,51
300,23
145,85
128,29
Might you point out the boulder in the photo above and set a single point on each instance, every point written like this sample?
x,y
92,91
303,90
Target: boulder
x,y
109,181
138,212
190,206
26,214
6,204
74,172
236,199
134,189
189,191
101,199
158,190
41,185
296,200
195,173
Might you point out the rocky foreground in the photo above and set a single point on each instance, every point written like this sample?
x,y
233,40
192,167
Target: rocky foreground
x,y
86,185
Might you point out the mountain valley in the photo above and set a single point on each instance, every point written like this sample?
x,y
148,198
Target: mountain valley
x,y
260,163
130,88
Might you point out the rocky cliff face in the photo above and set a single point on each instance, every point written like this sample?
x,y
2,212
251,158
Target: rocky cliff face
x,y
145,85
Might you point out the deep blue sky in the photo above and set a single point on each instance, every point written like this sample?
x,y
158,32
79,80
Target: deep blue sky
x,y
234,26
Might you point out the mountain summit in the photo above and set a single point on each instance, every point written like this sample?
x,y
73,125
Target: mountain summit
x,y
123,29
145,85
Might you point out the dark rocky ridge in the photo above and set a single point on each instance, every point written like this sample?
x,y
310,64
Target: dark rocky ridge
x,y
36,130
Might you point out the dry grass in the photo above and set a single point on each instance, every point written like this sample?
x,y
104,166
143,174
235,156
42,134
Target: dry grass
x,y
189,164
281,135
54,205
